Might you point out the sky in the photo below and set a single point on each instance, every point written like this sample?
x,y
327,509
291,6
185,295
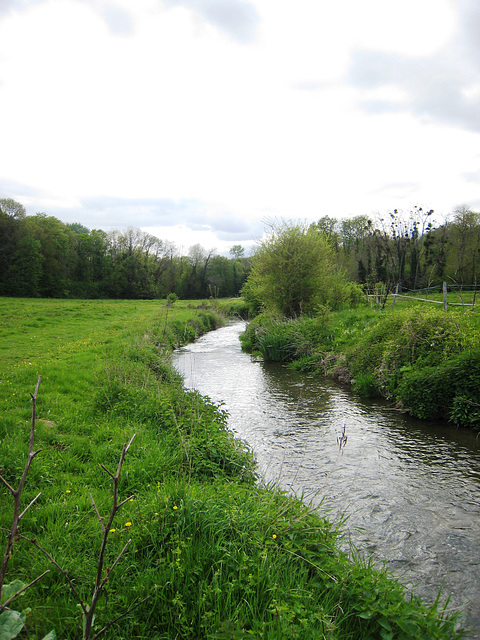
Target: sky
x,y
199,121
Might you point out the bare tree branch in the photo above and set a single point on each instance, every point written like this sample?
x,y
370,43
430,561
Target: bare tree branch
x,y
7,602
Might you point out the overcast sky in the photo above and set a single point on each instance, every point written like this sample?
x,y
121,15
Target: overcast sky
x,y
197,120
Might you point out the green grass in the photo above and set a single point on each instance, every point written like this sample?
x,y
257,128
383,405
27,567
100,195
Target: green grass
x,y
416,355
217,555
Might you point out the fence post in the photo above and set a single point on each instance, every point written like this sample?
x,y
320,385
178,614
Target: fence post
x,y
445,296
395,297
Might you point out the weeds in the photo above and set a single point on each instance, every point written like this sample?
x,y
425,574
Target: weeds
x,y
12,622
424,360
216,555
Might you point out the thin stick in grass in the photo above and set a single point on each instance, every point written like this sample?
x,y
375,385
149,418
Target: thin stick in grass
x,y
89,611
17,495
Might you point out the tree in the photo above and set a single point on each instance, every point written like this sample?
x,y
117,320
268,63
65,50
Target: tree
x,y
466,239
26,268
12,208
193,278
293,271
57,246
237,251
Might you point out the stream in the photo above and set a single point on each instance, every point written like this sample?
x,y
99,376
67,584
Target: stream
x,y
409,490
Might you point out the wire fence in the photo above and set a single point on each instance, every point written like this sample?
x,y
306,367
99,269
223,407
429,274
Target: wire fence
x,y
380,295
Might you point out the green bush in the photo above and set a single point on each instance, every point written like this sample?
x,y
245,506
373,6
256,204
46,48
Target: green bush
x,y
449,391
365,385
280,340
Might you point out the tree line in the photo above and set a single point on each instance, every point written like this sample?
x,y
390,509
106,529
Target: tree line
x,y
407,249
40,256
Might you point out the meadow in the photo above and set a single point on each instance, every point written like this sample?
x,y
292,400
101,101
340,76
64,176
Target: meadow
x,y
151,520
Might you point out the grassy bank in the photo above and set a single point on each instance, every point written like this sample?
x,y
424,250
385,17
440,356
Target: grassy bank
x,y
424,360
213,554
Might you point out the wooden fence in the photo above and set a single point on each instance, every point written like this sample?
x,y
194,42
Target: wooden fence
x,y
380,296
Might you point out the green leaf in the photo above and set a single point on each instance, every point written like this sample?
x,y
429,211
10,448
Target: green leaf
x,y
366,615
11,589
11,623
385,624
51,636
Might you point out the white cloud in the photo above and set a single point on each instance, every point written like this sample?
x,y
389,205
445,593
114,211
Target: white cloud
x,y
237,18
183,115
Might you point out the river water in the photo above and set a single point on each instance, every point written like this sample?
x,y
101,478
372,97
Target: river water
x,y
410,490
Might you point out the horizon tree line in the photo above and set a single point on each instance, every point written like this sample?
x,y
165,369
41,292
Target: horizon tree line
x,y
40,256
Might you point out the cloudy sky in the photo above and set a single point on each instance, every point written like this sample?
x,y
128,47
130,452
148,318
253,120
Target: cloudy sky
x,y
197,120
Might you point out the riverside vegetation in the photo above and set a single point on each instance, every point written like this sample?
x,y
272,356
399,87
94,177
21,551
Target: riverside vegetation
x,y
213,553
422,359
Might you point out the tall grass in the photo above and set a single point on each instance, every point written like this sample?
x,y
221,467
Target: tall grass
x,y
420,357
217,554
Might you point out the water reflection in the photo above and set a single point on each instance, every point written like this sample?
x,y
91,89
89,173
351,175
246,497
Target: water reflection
x,y
410,490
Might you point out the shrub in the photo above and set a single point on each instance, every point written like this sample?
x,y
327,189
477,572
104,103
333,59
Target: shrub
x,y
450,390
365,385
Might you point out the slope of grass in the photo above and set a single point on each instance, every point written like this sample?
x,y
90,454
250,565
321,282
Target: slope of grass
x,y
417,355
217,555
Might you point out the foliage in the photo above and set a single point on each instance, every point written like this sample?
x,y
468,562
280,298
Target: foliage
x,y
293,273
279,340
448,390
218,554
422,358
40,256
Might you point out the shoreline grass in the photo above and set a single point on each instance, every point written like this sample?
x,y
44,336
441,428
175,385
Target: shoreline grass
x,y
423,360
218,555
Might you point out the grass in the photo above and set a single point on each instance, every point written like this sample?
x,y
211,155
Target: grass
x,y
416,355
213,554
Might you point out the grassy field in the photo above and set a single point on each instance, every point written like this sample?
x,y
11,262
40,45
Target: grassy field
x,y
456,297
198,549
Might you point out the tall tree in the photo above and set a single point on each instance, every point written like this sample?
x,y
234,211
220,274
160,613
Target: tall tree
x,y
26,268
11,215
465,235
293,271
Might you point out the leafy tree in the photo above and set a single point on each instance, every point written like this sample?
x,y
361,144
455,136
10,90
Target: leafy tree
x,y
12,208
12,214
193,281
78,228
293,272
92,264
329,228
57,242
26,268
465,237
237,251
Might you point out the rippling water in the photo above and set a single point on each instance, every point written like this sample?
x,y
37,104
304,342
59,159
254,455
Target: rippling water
x,y
410,490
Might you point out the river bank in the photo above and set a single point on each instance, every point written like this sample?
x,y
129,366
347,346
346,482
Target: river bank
x,y
212,554
423,360
407,489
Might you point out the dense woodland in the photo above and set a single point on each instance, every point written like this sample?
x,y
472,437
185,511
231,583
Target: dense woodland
x,y
40,256
410,249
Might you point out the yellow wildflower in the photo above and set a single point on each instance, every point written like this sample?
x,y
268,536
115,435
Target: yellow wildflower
x,y
68,491
128,524
112,530
274,536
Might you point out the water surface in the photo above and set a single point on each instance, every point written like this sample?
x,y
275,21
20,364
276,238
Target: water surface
x,y
410,490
